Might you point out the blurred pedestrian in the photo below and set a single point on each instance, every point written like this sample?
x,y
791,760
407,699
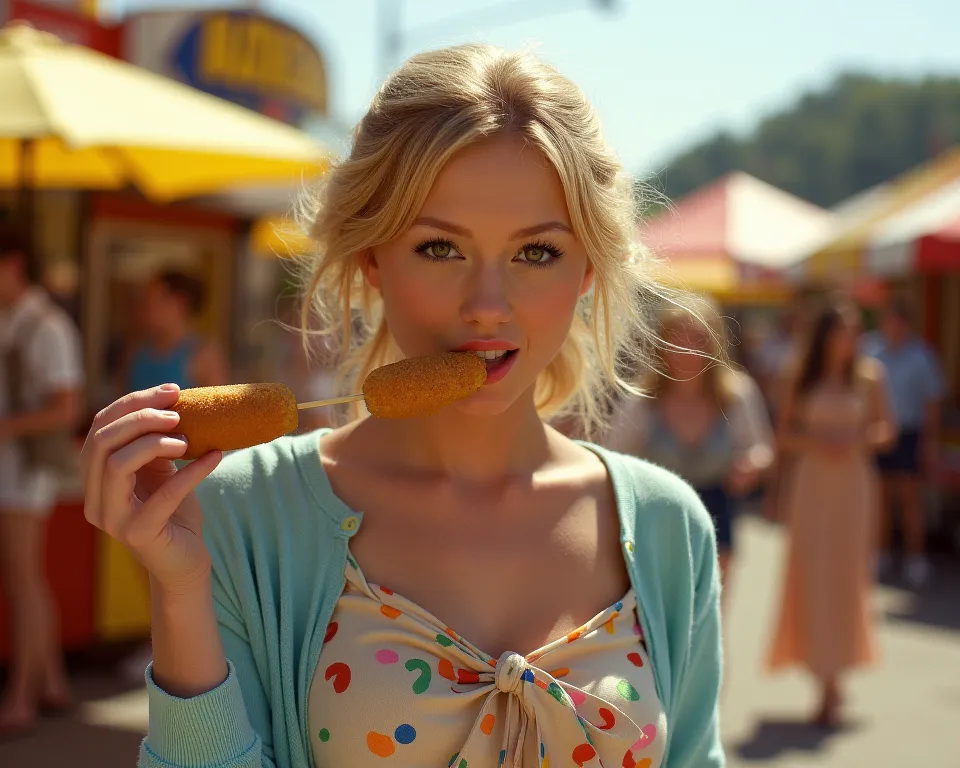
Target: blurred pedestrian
x,y
835,416
777,367
703,421
917,389
170,349
41,402
776,353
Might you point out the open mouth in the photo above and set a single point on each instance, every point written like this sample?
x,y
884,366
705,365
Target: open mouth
x,y
498,362
493,356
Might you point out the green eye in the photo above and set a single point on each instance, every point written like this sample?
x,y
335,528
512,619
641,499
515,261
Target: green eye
x,y
533,254
438,250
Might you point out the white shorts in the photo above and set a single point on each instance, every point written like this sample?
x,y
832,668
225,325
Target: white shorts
x,y
22,489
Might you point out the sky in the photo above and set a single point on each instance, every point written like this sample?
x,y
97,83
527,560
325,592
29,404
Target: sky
x,y
662,75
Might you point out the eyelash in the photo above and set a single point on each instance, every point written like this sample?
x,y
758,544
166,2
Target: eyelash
x,y
554,251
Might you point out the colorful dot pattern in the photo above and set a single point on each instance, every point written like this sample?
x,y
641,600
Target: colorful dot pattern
x,y
396,687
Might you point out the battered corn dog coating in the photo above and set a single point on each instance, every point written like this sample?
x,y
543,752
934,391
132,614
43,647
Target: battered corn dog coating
x,y
235,416
420,386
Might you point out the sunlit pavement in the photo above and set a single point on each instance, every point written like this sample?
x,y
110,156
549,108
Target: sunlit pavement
x,y
904,712
104,731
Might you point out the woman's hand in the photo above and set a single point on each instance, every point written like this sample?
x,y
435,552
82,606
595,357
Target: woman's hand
x,y
136,495
743,478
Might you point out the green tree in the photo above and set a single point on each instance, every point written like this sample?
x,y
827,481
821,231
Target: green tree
x,y
860,131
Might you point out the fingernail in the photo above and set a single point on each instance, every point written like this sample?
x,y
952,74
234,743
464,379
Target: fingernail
x,y
169,388
171,415
181,438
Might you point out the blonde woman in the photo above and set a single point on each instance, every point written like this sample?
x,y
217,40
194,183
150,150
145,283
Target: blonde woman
x,y
468,589
702,420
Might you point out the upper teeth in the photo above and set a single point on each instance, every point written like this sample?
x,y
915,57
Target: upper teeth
x,y
491,354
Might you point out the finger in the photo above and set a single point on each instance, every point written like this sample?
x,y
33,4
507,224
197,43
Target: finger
x,y
162,397
119,477
153,516
152,476
110,438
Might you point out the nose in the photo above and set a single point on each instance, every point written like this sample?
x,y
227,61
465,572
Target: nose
x,y
487,301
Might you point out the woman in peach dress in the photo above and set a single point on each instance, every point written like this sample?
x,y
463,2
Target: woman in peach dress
x,y
835,416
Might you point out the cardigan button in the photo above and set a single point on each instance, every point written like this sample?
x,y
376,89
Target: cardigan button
x,y
350,524
629,546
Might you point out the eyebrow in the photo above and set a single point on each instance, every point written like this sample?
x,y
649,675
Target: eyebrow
x,y
456,229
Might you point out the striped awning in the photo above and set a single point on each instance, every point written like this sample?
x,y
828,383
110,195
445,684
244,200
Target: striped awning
x,y
923,238
871,231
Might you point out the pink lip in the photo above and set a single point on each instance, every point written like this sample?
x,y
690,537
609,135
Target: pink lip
x,y
497,371
485,345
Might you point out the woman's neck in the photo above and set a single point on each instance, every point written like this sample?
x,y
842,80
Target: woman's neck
x,y
464,448
169,339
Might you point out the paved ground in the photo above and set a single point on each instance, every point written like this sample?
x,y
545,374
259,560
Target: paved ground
x,y
905,712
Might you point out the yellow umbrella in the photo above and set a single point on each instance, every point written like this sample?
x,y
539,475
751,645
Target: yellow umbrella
x,y
75,118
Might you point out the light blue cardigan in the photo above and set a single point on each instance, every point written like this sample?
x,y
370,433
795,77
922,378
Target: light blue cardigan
x,y
278,536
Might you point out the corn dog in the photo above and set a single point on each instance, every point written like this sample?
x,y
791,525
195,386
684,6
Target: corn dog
x,y
237,416
420,386
234,416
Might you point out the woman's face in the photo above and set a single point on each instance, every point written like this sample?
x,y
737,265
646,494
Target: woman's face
x,y
155,307
682,364
490,264
843,341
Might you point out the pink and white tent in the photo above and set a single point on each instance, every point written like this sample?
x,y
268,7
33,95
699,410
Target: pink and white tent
x,y
735,236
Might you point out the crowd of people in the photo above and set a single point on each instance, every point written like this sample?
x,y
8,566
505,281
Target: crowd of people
x,y
483,513
841,443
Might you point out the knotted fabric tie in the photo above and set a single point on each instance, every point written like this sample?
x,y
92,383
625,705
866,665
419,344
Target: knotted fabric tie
x,y
508,676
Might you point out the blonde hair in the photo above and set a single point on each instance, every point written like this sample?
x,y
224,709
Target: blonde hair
x,y
435,105
721,377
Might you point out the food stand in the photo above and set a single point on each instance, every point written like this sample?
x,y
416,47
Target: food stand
x,y
100,229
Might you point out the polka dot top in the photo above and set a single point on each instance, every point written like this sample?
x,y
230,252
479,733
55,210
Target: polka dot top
x,y
397,688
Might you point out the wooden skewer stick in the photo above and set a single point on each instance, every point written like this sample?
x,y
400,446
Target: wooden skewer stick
x,y
331,401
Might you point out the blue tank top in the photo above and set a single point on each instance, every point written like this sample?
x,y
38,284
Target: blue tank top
x,y
148,369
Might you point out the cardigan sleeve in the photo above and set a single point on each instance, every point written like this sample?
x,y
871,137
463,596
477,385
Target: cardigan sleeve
x,y
211,730
229,726
675,571
259,506
695,722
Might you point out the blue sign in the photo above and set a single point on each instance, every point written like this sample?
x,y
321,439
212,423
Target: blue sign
x,y
255,61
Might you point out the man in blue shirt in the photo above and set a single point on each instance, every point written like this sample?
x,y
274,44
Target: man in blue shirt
x,y
170,351
916,387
